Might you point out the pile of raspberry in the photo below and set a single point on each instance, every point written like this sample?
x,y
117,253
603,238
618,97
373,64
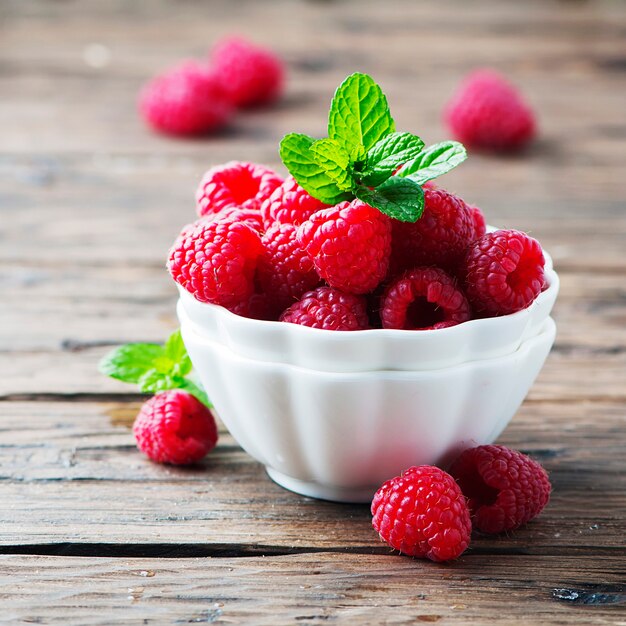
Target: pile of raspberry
x,y
265,249
429,513
197,97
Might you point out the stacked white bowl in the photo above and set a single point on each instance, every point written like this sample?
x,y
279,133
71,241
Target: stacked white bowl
x,y
333,414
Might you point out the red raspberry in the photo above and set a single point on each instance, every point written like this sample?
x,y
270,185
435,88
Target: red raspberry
x,y
505,488
328,308
439,237
215,261
488,112
249,216
186,100
259,306
285,271
349,244
175,427
235,184
423,513
424,298
249,74
480,226
290,204
503,272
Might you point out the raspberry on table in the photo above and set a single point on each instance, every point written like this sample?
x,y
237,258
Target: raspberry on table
x,y
439,237
329,309
505,488
290,204
504,272
175,427
186,100
250,75
423,513
235,183
285,272
215,261
349,244
487,112
423,298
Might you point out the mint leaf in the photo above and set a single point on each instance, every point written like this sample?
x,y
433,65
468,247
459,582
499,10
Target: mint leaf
x,y
153,381
388,154
153,367
359,114
190,387
130,362
400,198
434,161
299,160
334,160
176,351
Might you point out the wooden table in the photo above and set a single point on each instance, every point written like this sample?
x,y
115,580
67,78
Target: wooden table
x,y
90,532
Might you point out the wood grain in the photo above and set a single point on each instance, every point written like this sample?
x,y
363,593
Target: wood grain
x,y
309,589
77,461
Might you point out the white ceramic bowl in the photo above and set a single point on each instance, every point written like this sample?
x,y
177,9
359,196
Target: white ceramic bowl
x,y
366,350
339,435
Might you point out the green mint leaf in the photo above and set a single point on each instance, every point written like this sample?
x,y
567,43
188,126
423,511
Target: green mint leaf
x,y
131,361
154,381
334,160
388,154
400,198
190,387
176,351
299,160
359,114
434,161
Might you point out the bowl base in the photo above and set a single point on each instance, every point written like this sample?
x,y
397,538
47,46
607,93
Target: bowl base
x,y
322,492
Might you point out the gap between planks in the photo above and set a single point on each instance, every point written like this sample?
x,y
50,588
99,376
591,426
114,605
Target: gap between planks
x,y
241,550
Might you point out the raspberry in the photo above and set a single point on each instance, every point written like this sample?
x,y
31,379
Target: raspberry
x,y
488,112
439,237
480,226
424,298
423,513
505,488
235,184
215,261
328,308
349,244
245,215
249,74
289,204
259,306
175,427
503,272
285,271
186,100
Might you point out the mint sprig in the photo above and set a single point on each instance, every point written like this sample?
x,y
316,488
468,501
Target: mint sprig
x,y
295,150
153,367
359,114
364,156
434,161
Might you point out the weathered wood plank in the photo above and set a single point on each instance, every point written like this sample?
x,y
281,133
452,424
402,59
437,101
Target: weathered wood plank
x,y
567,375
311,588
321,45
70,473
